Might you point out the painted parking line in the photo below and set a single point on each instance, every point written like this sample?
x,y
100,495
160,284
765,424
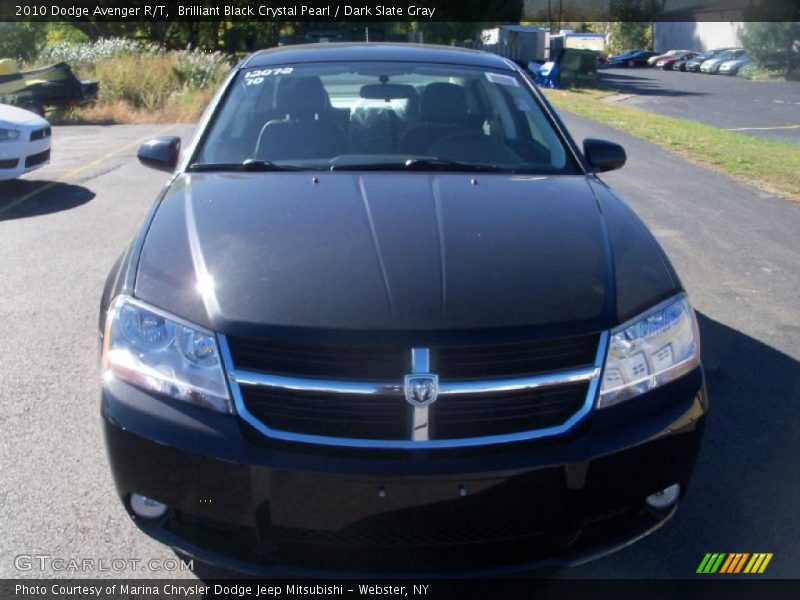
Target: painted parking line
x,y
77,171
764,128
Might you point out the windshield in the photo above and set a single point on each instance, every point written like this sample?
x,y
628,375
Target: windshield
x,y
729,55
375,115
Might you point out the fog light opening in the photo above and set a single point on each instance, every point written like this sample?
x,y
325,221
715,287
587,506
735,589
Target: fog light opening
x,y
664,498
147,508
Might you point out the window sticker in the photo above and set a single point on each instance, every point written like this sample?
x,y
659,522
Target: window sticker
x,y
502,79
258,76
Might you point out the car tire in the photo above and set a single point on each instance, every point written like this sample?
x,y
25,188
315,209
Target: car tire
x,y
630,63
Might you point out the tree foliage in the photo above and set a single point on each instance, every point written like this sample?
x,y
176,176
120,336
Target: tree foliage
x,y
21,41
24,41
628,35
632,23
774,45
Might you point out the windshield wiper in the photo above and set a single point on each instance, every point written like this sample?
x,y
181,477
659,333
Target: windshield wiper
x,y
247,165
435,164
431,163
412,164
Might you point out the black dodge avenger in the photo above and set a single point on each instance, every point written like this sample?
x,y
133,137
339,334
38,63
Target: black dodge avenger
x,y
385,318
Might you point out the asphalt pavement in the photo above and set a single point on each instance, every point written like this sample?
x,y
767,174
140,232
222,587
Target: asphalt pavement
x,y
761,108
62,227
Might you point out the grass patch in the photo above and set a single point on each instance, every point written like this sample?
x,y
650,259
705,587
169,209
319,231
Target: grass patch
x,y
755,73
146,86
185,107
771,165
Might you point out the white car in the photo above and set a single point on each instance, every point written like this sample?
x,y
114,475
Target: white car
x,y
712,65
732,67
24,141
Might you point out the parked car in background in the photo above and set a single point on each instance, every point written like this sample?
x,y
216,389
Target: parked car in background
x,y
624,53
668,63
24,141
637,58
712,66
693,64
731,67
621,55
680,65
654,59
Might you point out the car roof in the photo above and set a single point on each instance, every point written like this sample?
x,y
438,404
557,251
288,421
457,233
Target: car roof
x,y
374,51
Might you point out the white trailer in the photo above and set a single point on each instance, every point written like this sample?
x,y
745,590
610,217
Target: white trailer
x,y
520,43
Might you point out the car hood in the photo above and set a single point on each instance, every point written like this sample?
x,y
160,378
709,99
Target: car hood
x,y
388,251
11,116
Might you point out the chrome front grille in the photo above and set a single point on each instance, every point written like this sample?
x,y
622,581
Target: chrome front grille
x,y
315,406
347,363
506,412
514,359
324,414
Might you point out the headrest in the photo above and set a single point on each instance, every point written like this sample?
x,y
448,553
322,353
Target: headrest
x,y
443,102
301,96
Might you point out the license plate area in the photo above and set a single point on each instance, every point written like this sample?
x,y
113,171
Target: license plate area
x,y
535,500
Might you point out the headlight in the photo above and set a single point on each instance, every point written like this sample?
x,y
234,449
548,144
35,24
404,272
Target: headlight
x,y
8,135
163,354
652,349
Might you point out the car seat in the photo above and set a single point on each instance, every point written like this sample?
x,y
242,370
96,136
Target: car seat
x,y
308,126
443,112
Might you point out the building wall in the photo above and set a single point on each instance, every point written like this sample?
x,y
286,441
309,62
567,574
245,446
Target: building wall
x,y
704,35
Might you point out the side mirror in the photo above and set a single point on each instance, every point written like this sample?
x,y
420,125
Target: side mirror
x,y
602,155
161,153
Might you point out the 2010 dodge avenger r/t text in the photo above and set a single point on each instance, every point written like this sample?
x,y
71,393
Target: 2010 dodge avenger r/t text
x,y
385,318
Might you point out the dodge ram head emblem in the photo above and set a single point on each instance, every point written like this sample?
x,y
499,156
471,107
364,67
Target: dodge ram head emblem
x,y
421,390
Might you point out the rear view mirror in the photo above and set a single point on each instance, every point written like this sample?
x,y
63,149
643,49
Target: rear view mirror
x,y
160,153
387,91
602,155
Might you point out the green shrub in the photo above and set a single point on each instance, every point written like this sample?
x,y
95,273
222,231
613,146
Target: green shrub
x,y
90,53
144,81
773,45
200,70
140,82
753,71
147,81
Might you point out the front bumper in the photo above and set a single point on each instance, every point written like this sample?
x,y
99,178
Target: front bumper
x,y
242,501
20,157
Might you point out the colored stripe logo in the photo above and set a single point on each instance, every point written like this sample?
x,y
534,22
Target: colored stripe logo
x,y
734,562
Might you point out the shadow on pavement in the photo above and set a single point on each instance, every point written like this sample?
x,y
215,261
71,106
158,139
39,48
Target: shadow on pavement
x,y
745,489
746,486
39,198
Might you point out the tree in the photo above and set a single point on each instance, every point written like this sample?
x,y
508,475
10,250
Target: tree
x,y
627,35
774,45
632,25
21,41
